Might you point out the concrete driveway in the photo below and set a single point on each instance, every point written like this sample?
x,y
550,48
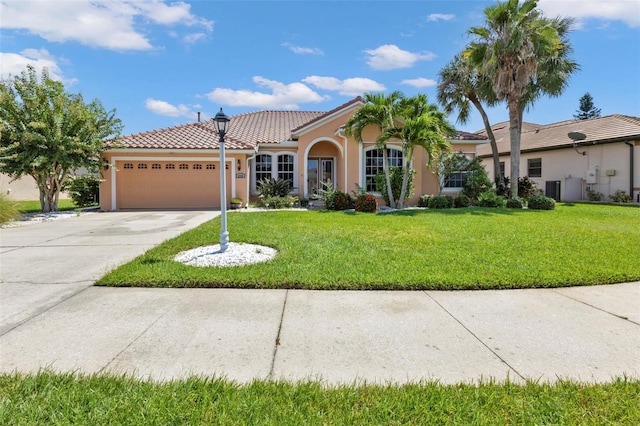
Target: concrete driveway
x,y
44,263
52,317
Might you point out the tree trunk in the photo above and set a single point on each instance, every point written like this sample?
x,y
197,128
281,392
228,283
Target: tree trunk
x,y
405,178
387,177
514,134
492,141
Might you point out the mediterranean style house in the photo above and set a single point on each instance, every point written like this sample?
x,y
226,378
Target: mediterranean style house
x,y
179,167
603,156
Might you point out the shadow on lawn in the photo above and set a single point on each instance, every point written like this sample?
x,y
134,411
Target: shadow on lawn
x,y
472,211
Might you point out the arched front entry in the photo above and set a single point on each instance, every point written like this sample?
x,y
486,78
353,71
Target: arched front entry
x,y
322,160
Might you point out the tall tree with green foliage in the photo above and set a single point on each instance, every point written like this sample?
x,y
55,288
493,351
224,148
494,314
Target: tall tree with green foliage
x,y
525,55
587,108
422,125
47,133
380,111
460,86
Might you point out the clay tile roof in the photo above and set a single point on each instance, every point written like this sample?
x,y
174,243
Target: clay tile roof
x,y
268,126
355,100
467,136
534,137
245,132
187,136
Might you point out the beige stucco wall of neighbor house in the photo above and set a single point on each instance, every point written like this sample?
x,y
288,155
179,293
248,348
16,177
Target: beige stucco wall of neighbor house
x,y
23,189
165,179
604,168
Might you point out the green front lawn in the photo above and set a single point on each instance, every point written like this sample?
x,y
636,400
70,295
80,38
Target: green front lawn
x,y
47,398
476,248
33,206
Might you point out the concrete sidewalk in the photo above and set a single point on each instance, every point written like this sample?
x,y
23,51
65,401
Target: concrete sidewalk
x,y
589,334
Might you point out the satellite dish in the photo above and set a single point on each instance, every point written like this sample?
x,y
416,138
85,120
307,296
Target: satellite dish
x,y
577,136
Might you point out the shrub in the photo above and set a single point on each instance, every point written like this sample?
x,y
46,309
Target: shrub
x,y
366,203
502,186
278,202
8,210
84,190
593,195
621,197
424,200
540,202
395,175
461,201
273,187
514,203
338,200
526,187
490,199
477,182
441,202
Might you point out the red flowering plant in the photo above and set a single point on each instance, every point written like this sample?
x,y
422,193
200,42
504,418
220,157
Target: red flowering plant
x,y
366,203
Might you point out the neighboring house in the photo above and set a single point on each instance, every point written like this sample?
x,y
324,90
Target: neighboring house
x,y
179,167
606,161
23,189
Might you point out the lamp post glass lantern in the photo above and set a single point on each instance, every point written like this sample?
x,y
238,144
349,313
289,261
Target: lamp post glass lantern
x,y
222,126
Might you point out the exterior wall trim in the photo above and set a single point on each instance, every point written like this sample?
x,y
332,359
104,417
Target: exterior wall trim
x,y
306,158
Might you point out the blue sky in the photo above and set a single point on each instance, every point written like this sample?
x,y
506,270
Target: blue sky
x,y
160,62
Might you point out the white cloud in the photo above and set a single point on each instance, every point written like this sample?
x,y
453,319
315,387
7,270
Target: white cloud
x,y
281,96
419,82
12,64
99,23
390,56
627,11
165,108
194,37
298,50
440,17
349,87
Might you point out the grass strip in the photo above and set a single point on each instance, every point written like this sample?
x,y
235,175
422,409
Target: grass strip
x,y
50,398
475,248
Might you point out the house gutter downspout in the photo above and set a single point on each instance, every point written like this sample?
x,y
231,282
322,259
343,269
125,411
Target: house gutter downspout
x,y
631,171
340,133
248,178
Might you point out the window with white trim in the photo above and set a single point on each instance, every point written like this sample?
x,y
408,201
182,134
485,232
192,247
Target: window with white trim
x,y
373,164
263,167
455,180
534,167
285,168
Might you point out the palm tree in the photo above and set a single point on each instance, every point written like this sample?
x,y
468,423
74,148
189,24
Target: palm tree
x,y
460,86
422,125
380,111
525,55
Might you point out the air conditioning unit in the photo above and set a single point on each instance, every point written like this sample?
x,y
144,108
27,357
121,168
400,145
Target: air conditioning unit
x,y
592,176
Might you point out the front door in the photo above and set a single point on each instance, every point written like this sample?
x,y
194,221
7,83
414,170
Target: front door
x,y
320,172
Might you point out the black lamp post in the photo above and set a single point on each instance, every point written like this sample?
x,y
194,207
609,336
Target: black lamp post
x,y
222,125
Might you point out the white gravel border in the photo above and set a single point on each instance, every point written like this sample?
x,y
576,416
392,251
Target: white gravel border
x,y
235,255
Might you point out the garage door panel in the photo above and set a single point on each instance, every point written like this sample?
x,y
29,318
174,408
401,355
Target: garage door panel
x,y
166,185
